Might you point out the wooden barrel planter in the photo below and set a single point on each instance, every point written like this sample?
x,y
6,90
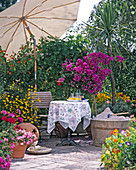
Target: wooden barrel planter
x,y
101,129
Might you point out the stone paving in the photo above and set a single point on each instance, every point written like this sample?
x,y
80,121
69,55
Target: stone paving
x,y
83,157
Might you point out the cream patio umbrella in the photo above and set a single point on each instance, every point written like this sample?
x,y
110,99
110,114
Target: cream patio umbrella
x,y
35,17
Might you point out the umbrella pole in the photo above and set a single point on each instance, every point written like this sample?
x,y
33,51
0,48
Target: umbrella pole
x,y
29,31
35,64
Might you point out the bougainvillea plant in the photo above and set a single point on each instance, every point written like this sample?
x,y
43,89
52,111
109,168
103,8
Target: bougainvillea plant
x,y
88,73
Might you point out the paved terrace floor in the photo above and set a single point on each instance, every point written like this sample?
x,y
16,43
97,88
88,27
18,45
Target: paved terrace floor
x,y
83,157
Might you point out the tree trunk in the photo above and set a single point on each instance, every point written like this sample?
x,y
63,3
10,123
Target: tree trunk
x,y
112,78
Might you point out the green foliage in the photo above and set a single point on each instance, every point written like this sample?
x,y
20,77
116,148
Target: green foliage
x,y
114,23
51,53
6,3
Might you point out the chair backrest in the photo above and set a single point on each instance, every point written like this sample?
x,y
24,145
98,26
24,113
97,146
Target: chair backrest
x,y
44,97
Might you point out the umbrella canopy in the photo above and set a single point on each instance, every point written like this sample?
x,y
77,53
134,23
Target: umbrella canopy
x,y
36,17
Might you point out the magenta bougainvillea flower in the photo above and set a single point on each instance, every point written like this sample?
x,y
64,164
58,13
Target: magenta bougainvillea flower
x,y
88,73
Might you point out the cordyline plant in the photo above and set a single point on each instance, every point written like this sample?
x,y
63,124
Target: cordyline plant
x,y
87,74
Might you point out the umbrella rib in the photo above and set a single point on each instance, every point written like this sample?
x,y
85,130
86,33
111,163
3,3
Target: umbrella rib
x,y
40,29
25,31
35,7
9,17
10,28
23,8
52,18
12,35
52,8
10,23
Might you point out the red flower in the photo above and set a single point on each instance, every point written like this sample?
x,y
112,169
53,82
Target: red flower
x,y
18,62
11,120
25,61
17,127
112,132
0,51
59,83
4,118
30,59
117,151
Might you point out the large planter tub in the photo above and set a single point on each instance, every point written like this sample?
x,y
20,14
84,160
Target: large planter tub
x,y
101,129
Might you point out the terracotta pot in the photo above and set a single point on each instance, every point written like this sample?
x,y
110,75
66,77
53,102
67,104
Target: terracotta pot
x,y
19,151
30,128
63,131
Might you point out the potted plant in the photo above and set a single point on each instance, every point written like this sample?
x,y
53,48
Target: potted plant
x,y
23,139
11,135
119,150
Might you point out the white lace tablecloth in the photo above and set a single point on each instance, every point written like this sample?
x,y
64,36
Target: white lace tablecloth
x,y
68,114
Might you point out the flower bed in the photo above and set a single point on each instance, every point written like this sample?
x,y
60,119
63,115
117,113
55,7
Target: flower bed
x,y
119,150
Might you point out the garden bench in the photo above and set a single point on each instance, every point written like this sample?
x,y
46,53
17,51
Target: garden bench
x,y
41,100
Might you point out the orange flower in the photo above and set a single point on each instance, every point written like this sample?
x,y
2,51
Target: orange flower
x,y
115,140
25,61
116,132
128,133
18,62
29,72
9,65
9,72
0,51
113,150
112,132
13,65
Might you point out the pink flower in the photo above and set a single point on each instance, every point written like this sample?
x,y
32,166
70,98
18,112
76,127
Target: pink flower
x,y
131,116
128,101
4,112
132,104
0,141
6,140
20,119
12,145
134,120
28,142
12,114
108,102
1,160
19,112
